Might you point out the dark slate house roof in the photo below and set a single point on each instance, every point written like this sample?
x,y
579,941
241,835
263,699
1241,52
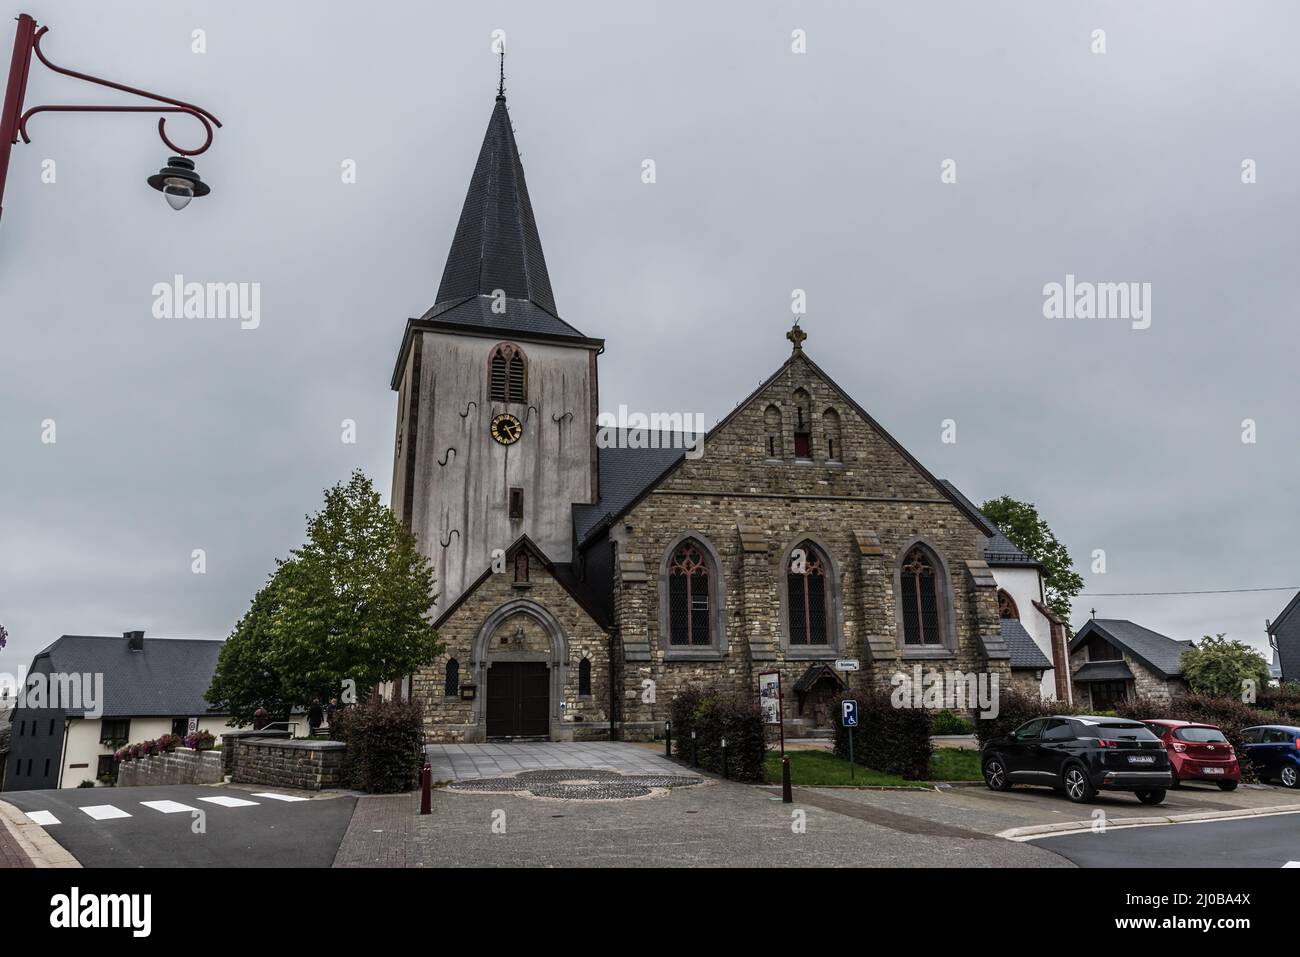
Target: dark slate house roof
x,y
623,475
1000,550
1284,633
166,679
1160,654
497,246
1024,652
1103,671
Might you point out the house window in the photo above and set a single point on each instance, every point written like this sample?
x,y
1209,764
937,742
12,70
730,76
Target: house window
x,y
1107,694
47,767
114,729
104,767
1101,650
688,595
516,504
1007,606
51,727
772,426
508,374
180,726
806,595
920,594
22,728
451,685
802,425
584,677
831,430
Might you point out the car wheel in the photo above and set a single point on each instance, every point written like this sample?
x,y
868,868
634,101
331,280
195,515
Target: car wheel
x,y
1077,786
995,774
1290,777
1151,797
1227,785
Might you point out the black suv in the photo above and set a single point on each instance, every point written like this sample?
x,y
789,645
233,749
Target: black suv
x,y
1080,756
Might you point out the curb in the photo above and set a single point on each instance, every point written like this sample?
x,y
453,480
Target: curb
x,y
1071,827
41,849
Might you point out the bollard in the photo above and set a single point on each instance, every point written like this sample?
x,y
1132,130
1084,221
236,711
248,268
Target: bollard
x,y
695,757
786,796
668,739
426,786
724,759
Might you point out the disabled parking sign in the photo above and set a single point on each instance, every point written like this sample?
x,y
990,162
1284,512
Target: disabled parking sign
x,y
849,713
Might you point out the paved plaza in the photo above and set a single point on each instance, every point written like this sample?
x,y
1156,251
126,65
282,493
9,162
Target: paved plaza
x,y
464,762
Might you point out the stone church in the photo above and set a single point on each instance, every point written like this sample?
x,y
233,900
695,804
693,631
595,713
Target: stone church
x,y
583,583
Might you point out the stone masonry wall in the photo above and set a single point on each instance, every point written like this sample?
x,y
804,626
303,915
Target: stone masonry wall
x,y
306,765
182,766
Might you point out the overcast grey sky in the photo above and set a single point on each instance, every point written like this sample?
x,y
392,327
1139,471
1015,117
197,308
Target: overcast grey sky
x,y
775,171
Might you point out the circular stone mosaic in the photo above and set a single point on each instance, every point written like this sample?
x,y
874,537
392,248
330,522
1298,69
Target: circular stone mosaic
x,y
577,784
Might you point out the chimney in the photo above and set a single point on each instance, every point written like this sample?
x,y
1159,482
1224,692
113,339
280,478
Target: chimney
x,y
135,639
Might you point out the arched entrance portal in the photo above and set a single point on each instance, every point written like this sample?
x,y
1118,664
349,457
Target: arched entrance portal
x,y
521,657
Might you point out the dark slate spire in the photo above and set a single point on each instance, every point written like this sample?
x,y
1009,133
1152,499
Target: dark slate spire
x,y
496,244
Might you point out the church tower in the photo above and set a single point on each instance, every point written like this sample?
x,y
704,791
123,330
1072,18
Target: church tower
x,y
496,412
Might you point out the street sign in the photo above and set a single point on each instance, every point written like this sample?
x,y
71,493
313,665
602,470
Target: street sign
x,y
192,726
849,713
847,664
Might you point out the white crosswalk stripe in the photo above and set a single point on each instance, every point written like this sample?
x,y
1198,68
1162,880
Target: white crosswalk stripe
x,y
168,807
229,801
43,818
104,812
278,797
1292,864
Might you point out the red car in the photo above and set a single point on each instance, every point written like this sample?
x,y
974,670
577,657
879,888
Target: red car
x,y
1197,752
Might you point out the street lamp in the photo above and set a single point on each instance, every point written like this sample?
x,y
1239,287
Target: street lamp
x,y
177,181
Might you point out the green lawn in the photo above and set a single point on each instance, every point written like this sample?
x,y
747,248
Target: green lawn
x,y
823,769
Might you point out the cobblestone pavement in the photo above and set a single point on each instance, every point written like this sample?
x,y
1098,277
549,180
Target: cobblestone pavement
x,y
462,762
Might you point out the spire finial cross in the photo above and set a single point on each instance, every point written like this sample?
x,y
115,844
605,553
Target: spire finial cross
x,y
501,86
796,336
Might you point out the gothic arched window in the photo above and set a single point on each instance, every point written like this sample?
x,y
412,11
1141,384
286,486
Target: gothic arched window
x,y
584,677
831,429
688,595
508,374
807,595
920,594
802,425
1007,606
451,686
772,428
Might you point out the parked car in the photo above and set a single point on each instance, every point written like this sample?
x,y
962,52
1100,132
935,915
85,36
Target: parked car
x,y
1274,750
1197,752
1080,756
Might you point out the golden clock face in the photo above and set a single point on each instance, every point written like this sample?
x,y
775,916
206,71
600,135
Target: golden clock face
x,y
507,429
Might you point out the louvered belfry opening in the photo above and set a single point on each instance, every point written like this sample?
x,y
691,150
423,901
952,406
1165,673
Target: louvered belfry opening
x,y
806,596
508,374
920,599
688,596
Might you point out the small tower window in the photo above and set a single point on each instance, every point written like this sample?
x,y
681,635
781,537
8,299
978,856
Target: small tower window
x,y
772,426
584,677
516,504
831,429
521,567
451,686
802,425
507,374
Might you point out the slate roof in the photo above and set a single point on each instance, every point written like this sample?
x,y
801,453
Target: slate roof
x,y
623,475
1000,550
497,246
1286,636
167,679
1102,671
1025,653
1161,654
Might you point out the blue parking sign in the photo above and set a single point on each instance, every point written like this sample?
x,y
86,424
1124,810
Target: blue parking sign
x,y
849,713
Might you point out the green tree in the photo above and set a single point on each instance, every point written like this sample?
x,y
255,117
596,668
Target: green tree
x,y
1217,666
346,611
1019,521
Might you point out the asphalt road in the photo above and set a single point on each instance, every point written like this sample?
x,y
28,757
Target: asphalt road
x,y
1248,842
193,832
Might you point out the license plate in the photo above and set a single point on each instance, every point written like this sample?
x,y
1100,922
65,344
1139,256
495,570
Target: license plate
x,y
1211,770
1141,759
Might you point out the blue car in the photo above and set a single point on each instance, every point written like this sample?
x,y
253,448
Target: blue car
x,y
1274,750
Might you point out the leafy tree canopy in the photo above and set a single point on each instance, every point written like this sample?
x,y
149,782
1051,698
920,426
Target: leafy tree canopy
x,y
1019,521
1217,666
346,611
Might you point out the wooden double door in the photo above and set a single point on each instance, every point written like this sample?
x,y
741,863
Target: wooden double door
x,y
518,699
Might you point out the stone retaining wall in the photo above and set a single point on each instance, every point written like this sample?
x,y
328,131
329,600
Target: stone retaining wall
x,y
307,765
182,766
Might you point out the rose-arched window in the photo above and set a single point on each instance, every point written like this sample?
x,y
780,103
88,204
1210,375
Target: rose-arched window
x,y
1007,606
508,374
688,595
451,686
807,595
920,593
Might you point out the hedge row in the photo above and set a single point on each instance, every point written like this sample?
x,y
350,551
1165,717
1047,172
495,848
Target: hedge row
x,y
888,739
714,715
385,742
